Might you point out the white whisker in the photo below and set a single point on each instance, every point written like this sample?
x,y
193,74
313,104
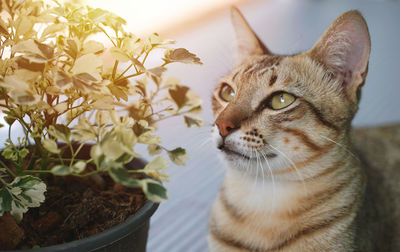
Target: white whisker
x,y
340,145
293,165
273,185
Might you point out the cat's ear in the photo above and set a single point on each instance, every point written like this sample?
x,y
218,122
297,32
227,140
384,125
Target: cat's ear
x,y
344,49
248,43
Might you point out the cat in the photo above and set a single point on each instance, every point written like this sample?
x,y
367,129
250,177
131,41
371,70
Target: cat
x,y
283,126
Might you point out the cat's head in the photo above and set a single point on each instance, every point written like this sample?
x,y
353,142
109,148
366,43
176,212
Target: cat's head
x,y
275,108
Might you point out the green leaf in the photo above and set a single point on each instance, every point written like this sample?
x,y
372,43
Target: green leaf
x,y
23,152
61,170
27,191
192,121
122,176
178,95
8,153
5,200
178,156
154,191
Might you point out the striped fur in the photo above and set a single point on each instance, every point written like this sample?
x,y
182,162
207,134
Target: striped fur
x,y
292,183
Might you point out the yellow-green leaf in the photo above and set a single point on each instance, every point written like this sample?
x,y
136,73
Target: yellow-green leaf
x,y
78,167
119,54
193,121
92,46
88,63
50,145
154,149
53,28
158,163
61,170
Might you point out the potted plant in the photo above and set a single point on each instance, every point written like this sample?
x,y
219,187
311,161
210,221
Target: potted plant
x,y
82,121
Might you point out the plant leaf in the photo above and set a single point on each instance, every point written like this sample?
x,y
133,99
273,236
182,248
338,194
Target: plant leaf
x,y
181,55
26,192
122,176
53,28
88,63
154,191
6,199
178,156
78,167
158,163
154,149
192,121
50,145
61,170
119,54
178,95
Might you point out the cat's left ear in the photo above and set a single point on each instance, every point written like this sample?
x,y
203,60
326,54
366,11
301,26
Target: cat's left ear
x,y
344,49
248,44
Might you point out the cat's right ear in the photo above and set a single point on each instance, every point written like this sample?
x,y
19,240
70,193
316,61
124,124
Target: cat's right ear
x,y
344,49
248,44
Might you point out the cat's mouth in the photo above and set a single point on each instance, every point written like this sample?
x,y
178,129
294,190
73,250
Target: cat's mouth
x,y
228,151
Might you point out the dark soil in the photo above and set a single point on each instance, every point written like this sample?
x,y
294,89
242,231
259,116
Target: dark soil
x,y
76,208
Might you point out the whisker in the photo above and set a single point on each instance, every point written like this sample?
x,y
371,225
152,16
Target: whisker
x,y
273,185
294,166
340,145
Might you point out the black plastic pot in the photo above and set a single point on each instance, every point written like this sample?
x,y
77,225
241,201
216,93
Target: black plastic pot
x,y
129,236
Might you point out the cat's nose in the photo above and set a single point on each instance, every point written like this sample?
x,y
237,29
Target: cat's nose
x,y
225,127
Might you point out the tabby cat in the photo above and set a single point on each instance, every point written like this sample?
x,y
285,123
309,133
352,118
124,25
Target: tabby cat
x,y
283,126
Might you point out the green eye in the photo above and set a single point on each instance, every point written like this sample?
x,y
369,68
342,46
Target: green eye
x,y
281,100
226,93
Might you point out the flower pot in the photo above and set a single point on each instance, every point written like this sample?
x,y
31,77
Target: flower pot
x,y
130,235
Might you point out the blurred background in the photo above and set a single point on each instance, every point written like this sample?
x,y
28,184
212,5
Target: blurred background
x,y
204,28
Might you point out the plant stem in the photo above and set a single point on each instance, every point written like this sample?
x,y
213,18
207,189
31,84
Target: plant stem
x,y
37,171
76,153
126,70
101,29
8,170
115,69
88,174
132,75
3,181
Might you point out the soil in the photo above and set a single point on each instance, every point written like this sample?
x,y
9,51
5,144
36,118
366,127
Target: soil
x,y
76,208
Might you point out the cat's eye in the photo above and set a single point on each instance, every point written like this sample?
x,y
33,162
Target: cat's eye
x,y
226,92
281,100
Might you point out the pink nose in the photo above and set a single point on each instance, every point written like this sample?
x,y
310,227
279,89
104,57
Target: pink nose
x,y
225,127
